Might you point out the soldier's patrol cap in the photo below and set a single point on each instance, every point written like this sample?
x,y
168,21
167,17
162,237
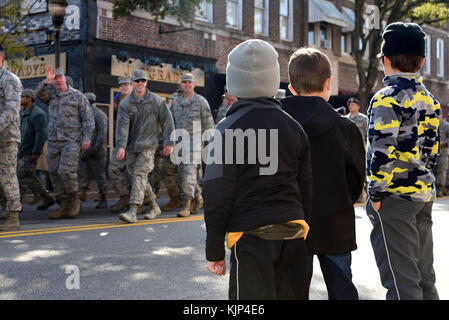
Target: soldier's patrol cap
x,y
139,74
187,77
91,96
59,72
29,93
122,80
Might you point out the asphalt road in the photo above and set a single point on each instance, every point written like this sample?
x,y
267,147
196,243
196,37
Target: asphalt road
x,y
95,256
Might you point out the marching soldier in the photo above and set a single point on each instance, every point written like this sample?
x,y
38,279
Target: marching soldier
x,y
188,110
357,117
33,131
70,128
117,168
139,119
10,96
93,161
443,159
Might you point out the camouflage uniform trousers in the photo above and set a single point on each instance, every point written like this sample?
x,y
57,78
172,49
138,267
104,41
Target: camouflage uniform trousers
x,y
93,167
441,170
155,175
139,166
9,184
118,175
62,159
26,173
170,177
189,179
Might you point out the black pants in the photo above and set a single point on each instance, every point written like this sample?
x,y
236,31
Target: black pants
x,y
268,269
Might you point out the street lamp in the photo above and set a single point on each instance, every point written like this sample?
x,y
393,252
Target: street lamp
x,y
57,10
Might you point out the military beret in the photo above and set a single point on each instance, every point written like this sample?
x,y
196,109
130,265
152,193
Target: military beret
x,y
91,96
187,77
139,74
403,38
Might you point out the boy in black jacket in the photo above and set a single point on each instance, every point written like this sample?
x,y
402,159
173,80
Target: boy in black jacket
x,y
338,165
260,203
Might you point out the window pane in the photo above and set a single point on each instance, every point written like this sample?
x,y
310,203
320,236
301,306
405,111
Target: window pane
x,y
323,33
231,13
284,28
259,3
343,43
258,21
311,35
284,6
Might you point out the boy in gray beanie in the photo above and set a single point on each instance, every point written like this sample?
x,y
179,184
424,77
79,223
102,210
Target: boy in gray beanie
x,y
262,211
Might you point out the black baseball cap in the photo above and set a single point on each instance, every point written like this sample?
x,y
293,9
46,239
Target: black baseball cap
x,y
403,38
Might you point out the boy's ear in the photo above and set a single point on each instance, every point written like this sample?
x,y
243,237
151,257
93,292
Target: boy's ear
x,y
422,62
328,84
293,91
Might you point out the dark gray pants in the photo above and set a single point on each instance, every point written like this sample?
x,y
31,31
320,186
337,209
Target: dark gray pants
x,y
403,247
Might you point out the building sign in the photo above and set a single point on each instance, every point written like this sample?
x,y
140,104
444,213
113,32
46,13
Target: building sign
x,y
166,73
36,67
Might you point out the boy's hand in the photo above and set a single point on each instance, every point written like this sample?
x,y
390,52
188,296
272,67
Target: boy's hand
x,y
377,205
217,267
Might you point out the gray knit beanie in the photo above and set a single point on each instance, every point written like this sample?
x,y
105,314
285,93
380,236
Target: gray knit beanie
x,y
253,70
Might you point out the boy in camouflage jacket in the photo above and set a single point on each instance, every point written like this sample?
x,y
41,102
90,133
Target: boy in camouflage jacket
x,y
403,144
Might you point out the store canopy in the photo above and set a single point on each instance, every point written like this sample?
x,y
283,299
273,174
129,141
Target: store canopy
x,y
350,19
325,11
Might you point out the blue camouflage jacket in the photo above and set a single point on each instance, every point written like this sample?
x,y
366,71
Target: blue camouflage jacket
x,y
403,140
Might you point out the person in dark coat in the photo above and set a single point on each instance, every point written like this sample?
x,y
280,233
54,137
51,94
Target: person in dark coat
x,y
338,169
33,132
260,203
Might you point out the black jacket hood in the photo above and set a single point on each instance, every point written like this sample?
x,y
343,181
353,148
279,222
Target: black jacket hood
x,y
318,116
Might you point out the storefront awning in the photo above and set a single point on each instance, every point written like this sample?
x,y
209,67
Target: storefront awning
x,y
350,19
325,11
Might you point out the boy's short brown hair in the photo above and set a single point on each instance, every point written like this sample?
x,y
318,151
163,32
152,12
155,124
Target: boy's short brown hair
x,y
406,62
308,70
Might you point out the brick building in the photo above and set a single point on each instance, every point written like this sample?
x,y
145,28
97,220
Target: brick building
x,y
97,49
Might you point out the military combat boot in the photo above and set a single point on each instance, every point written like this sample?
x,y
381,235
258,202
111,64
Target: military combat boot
x,y
4,212
73,206
185,211
120,205
11,223
47,202
103,204
61,212
198,204
174,203
83,194
130,215
154,212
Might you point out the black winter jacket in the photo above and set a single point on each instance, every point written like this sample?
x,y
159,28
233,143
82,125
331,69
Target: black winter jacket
x,y
33,131
338,169
237,197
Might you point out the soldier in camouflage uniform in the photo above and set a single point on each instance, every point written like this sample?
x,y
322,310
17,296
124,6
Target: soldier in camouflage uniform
x,y
362,123
357,117
10,96
403,140
228,101
443,159
117,168
93,161
33,131
139,119
170,172
189,111
70,128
